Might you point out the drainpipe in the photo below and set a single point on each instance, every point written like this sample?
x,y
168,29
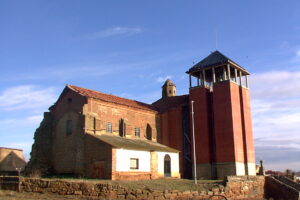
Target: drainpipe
x,y
194,148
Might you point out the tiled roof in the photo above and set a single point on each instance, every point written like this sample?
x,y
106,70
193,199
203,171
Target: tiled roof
x,y
111,98
215,58
134,144
166,103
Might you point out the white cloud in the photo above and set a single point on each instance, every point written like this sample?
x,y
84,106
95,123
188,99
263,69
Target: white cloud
x,y
27,97
298,53
275,84
275,101
124,31
162,79
21,122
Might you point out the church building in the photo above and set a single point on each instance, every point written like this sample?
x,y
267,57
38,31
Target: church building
x,y
97,135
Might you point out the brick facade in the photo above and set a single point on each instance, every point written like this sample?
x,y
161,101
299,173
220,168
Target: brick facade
x,y
222,124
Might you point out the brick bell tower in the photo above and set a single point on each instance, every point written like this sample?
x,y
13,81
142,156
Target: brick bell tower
x,y
222,115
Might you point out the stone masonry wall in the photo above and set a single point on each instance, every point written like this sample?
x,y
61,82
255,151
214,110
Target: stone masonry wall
x,y
239,187
40,156
235,188
280,191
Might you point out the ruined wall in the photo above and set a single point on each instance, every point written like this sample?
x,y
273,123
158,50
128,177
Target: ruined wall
x,y
68,149
98,113
40,157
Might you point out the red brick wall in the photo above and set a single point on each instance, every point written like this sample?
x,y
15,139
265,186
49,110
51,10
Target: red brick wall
x,y
171,131
200,96
110,112
228,122
248,132
164,133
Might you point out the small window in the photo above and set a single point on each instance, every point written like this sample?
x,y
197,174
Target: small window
x,y
149,132
137,132
69,127
122,128
69,100
108,127
134,163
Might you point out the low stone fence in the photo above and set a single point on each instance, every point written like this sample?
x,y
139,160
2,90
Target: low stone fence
x,y
235,188
289,182
245,187
279,190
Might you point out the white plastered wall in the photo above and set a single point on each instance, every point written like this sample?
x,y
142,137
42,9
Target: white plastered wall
x,y
174,163
240,169
123,160
251,169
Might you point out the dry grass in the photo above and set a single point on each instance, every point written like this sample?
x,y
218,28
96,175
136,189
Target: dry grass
x,y
170,184
158,184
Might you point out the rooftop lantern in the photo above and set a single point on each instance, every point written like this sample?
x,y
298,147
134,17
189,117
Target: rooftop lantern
x,y
217,68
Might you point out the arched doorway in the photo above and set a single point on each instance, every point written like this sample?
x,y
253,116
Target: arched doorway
x,y
167,166
149,132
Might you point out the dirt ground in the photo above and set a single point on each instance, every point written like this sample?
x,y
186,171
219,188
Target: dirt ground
x,y
11,195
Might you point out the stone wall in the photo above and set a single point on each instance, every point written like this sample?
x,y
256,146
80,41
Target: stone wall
x,y
251,188
237,187
278,190
68,146
40,156
98,158
289,182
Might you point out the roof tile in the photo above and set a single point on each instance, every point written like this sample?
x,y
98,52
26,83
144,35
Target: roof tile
x,y
111,98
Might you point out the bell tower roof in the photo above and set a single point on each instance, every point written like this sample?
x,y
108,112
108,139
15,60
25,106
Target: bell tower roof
x,y
168,89
168,82
215,59
217,68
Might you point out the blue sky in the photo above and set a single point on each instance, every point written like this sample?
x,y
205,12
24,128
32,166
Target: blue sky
x,y
129,48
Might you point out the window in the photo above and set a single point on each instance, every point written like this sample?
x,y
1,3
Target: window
x,y
69,127
137,132
134,163
149,132
108,127
122,128
69,100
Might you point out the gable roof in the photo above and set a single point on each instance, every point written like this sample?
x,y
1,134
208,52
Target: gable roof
x,y
11,162
111,98
133,144
215,58
166,103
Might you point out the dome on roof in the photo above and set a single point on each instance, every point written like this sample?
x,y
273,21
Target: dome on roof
x,y
168,82
168,89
